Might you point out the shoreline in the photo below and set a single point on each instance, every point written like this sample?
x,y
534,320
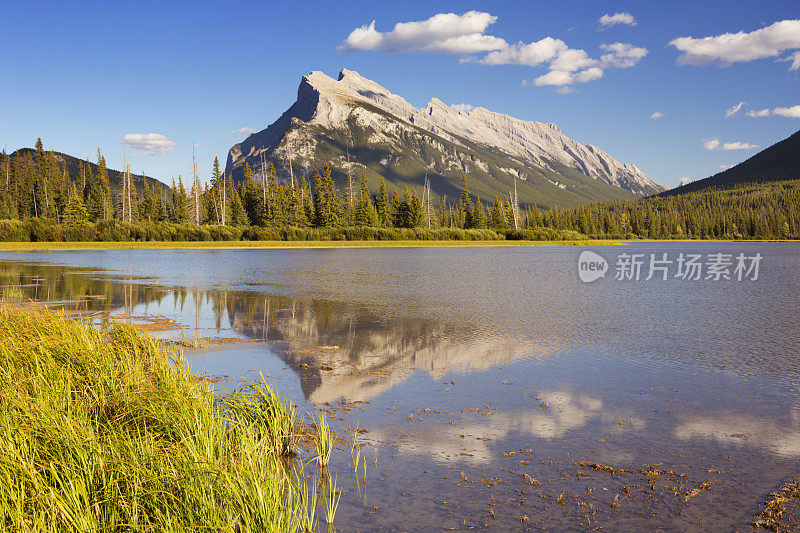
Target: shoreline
x,y
278,245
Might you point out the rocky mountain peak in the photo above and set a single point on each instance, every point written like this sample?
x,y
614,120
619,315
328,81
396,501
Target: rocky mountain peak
x,y
351,100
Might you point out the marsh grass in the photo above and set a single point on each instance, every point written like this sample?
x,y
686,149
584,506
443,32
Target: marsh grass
x,y
108,431
355,452
332,496
305,502
13,292
324,441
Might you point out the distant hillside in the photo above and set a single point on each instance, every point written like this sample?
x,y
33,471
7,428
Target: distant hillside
x,y
74,166
779,162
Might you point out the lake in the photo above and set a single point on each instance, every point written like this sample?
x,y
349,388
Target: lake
x,y
496,389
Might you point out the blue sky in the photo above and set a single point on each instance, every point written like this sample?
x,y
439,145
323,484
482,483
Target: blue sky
x,y
84,75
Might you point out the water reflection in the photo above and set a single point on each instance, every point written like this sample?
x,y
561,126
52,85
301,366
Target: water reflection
x,y
470,436
346,351
742,430
337,349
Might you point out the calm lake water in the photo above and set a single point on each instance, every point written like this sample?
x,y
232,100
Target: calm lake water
x,y
491,381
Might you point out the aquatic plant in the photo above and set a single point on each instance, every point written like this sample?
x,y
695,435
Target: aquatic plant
x,y
324,441
258,411
332,496
305,502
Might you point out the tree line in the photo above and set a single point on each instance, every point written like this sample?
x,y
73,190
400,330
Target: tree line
x,y
37,185
766,210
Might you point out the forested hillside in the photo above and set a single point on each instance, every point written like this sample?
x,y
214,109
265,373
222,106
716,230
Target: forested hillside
x,y
779,162
35,182
755,211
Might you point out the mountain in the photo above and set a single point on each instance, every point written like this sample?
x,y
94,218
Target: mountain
x,y
355,124
781,161
74,166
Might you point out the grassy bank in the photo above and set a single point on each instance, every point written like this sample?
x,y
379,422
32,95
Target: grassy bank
x,y
104,432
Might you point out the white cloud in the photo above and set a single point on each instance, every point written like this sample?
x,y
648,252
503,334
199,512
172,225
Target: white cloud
x,y
758,113
621,55
739,146
148,143
728,48
714,144
571,60
733,109
795,59
684,181
657,115
617,18
567,65
464,35
566,89
532,54
726,167
790,112
444,33
462,108
558,78
242,132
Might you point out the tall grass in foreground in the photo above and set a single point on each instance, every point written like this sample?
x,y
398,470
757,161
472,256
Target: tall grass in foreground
x,y
104,432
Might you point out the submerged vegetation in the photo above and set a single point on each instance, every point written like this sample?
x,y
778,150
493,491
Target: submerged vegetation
x,y
104,431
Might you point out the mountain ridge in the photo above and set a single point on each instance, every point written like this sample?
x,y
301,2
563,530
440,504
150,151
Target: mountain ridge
x,y
358,124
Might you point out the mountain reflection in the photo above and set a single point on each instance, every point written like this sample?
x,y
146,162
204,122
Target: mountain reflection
x,y
350,352
337,349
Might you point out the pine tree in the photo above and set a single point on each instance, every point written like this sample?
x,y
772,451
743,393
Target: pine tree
x,y
326,200
498,218
465,204
478,216
103,188
39,184
180,202
297,216
383,206
365,213
271,206
75,213
218,194
238,215
409,210
307,200
395,211
252,198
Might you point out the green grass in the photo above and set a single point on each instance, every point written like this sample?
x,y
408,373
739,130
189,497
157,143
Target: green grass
x,y
13,293
236,245
103,431
323,441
